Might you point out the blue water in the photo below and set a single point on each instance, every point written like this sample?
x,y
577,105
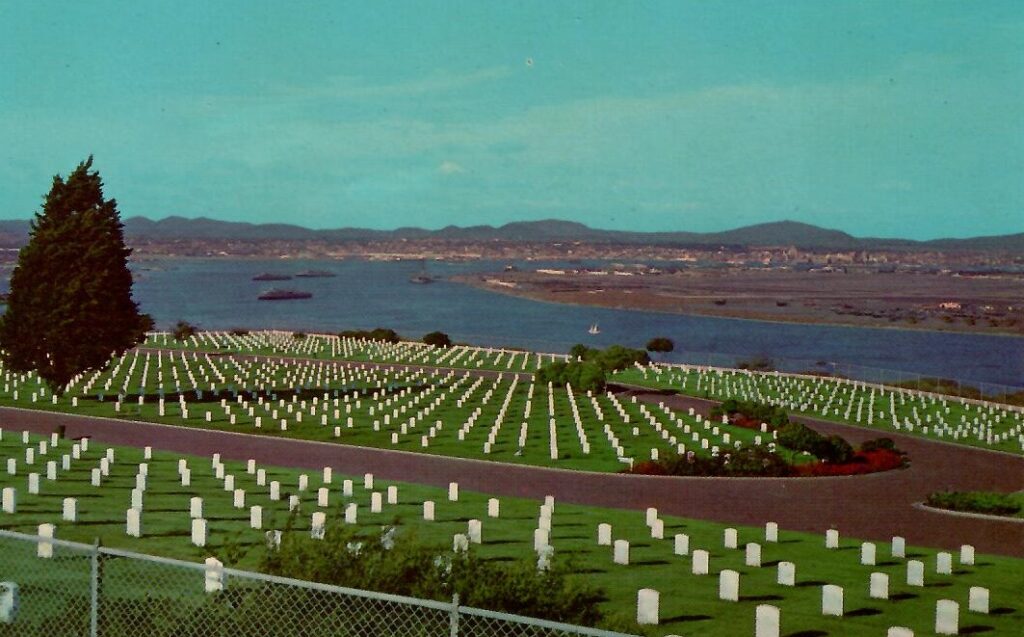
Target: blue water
x,y
219,294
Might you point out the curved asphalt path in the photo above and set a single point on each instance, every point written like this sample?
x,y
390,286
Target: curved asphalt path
x,y
872,507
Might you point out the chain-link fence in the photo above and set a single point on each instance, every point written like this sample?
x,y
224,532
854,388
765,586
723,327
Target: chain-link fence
x,y
51,588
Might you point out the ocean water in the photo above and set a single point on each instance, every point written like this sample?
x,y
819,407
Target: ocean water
x,y
219,294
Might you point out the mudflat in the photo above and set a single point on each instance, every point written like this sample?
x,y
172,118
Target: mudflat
x,y
934,301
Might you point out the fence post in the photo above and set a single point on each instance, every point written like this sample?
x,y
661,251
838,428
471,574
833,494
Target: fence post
x,y
94,590
453,621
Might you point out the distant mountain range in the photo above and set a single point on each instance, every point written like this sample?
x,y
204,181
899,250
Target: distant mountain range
x,y
780,233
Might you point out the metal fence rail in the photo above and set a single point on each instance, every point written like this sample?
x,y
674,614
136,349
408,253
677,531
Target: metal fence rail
x,y
51,588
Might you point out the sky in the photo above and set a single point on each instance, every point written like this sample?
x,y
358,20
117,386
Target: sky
x,y
879,118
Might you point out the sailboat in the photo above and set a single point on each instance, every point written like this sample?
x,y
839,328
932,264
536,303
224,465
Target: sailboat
x,y
594,329
422,277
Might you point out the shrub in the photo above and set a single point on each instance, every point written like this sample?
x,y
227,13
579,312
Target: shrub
x,y
437,339
585,376
660,344
397,563
976,501
757,364
183,330
299,336
752,411
239,331
861,463
611,359
745,462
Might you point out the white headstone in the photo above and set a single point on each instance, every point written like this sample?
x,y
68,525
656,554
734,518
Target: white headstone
x,y
978,600
682,544
199,532
947,617
967,555
730,538
832,600
899,547
453,491
729,586
9,500
33,484
879,588
771,532
133,522
658,529
428,511
392,495
786,574
45,549
647,607
294,502
652,515
376,502
944,563
318,525
701,562
275,490
256,517
915,573
323,497
69,510
195,507
766,621
831,539
867,554
238,499
604,534
475,531
493,507
214,575
368,481
460,543
621,552
899,631
347,488
540,538
351,513
753,555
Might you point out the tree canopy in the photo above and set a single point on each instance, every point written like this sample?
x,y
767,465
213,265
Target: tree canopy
x,y
70,305
660,344
437,339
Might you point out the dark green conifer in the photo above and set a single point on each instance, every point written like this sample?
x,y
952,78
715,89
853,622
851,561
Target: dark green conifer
x,y
70,305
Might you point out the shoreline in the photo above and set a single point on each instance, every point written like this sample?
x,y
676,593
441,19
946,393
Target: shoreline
x,y
480,285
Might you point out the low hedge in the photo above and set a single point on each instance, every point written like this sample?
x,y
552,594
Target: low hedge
x,y
976,502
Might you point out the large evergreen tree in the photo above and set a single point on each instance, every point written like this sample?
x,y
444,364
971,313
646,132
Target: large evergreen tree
x,y
70,305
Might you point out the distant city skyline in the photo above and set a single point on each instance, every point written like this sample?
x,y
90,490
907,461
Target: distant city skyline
x,y
875,118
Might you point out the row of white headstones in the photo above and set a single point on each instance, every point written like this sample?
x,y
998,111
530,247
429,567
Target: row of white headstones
x,y
767,620
986,423
379,406
647,601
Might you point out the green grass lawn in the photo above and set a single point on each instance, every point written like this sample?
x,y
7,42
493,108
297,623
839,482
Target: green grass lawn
x,y
689,603
947,419
346,411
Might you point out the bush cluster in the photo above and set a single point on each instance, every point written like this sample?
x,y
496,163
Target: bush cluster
x,y
745,462
587,368
976,502
799,437
612,358
752,411
396,562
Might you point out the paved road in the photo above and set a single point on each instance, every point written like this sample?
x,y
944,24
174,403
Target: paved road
x,y
872,507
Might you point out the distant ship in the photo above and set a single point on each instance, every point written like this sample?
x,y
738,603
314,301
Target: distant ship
x,y
278,294
594,329
267,276
315,274
422,277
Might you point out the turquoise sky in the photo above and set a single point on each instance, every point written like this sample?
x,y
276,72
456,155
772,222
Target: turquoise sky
x,y
877,118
